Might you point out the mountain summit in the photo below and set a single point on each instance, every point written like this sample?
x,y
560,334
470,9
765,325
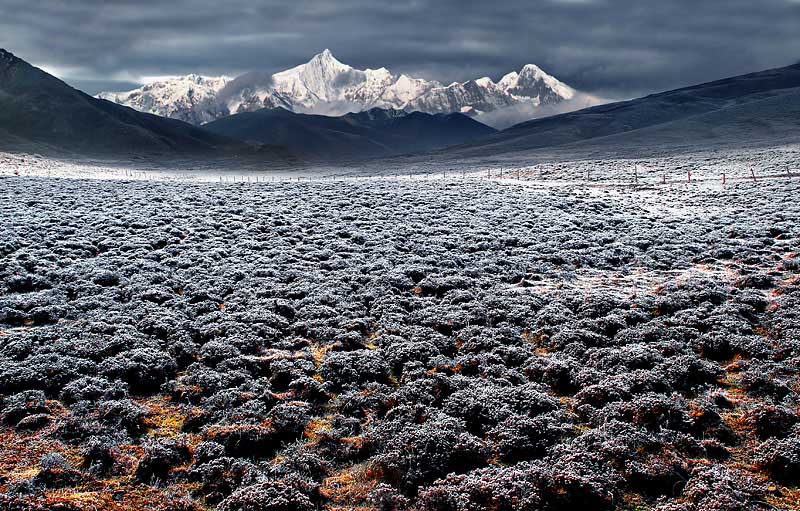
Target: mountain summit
x,y
326,86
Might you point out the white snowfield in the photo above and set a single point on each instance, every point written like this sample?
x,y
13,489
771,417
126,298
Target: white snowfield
x,y
328,87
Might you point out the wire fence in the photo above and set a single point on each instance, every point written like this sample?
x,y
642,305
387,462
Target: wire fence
x,y
543,174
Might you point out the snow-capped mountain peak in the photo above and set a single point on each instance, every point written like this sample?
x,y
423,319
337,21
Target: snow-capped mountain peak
x,y
325,85
190,98
533,82
508,80
322,65
326,56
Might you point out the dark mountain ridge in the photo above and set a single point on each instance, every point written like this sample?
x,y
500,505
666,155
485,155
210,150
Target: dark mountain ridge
x,y
373,133
39,112
760,106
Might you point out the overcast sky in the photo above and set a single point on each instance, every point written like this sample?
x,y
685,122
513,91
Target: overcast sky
x,y
613,48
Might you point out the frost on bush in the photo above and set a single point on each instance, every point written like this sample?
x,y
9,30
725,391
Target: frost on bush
x,y
143,369
91,389
221,476
343,369
23,404
56,472
415,449
564,484
267,496
485,405
399,344
781,458
158,460
718,488
522,437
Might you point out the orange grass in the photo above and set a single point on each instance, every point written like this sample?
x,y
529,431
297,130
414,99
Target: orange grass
x,y
350,486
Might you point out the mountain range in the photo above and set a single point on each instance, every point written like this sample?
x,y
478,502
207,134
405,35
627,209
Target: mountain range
x,y
755,108
326,86
40,113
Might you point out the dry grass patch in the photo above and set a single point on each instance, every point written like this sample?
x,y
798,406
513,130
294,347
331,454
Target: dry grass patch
x,y
349,487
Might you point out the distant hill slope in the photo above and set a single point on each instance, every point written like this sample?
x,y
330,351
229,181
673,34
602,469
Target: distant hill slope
x,y
751,107
355,136
40,112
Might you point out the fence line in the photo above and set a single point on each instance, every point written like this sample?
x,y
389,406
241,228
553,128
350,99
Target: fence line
x,y
633,178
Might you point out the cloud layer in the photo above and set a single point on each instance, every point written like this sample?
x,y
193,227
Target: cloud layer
x,y
612,48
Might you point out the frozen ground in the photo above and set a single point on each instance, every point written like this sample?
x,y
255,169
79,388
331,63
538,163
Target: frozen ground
x,y
705,166
381,342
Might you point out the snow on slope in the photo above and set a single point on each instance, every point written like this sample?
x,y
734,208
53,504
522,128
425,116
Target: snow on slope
x,y
324,85
190,98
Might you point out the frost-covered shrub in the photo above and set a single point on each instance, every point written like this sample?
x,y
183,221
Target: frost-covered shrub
x,y
208,451
343,369
781,458
56,472
49,372
414,449
144,369
398,351
562,484
27,283
122,415
769,379
99,454
159,458
719,488
483,405
308,389
92,389
267,496
21,405
220,477
387,498
214,352
488,489
520,437
402,344
772,421
289,419
106,278
686,371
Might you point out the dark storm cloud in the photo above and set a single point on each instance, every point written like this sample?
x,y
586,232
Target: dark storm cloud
x,y
611,48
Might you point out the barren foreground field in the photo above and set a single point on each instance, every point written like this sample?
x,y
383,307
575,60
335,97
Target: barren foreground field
x,y
392,345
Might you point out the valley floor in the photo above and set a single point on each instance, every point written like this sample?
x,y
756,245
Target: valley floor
x,y
444,341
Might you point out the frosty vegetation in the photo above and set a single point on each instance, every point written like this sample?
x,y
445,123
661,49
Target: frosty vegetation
x,y
398,345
